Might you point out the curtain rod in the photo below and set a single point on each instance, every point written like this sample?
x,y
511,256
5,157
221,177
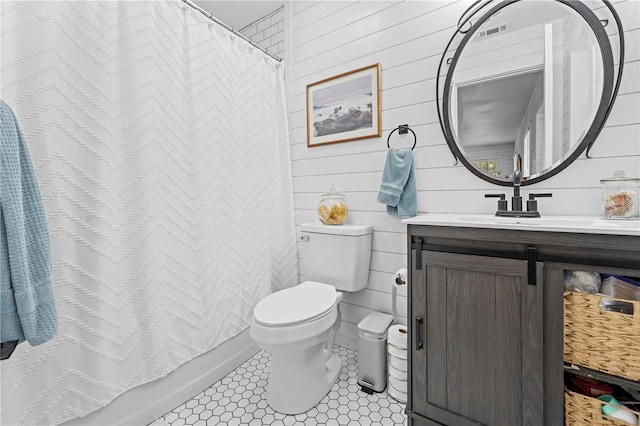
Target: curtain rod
x,y
228,28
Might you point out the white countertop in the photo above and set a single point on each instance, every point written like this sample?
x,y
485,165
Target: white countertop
x,y
576,224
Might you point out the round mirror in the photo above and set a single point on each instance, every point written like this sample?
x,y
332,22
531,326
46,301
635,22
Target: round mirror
x,y
529,86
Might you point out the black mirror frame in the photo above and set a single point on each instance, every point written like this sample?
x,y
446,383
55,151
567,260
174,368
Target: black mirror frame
x,y
609,92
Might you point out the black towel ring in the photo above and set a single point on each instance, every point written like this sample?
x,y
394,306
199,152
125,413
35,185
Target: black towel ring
x,y
403,129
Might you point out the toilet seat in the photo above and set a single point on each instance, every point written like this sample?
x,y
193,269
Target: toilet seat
x,y
306,302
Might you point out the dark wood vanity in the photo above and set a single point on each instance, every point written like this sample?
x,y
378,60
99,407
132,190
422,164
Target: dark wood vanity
x,y
487,298
486,319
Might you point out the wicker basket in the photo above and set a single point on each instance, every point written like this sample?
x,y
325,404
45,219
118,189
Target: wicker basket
x,y
580,410
601,340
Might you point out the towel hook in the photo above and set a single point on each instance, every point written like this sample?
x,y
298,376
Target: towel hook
x,y
403,128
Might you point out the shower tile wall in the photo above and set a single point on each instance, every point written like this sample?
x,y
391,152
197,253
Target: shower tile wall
x,y
407,38
239,399
268,32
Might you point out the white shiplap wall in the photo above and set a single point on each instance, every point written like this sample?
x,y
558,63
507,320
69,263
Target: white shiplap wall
x,y
325,38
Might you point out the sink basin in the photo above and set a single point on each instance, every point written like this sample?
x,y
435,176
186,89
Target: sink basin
x,y
556,221
579,224
498,219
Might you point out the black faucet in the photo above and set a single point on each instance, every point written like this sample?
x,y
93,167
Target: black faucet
x,y
516,200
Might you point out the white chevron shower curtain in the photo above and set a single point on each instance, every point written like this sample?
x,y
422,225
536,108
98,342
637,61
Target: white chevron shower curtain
x,y
161,148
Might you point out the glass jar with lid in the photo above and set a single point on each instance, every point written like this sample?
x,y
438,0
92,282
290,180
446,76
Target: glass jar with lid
x,y
333,209
620,197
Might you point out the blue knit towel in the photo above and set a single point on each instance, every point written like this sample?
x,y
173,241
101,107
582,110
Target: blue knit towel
x,y
398,190
27,307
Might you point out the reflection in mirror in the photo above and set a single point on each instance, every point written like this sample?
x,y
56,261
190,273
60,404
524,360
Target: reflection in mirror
x,y
527,83
530,80
492,117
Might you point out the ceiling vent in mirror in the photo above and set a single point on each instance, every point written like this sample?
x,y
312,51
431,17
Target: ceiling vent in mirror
x,y
493,31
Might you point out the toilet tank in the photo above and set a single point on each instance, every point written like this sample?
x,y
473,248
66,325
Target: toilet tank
x,y
339,255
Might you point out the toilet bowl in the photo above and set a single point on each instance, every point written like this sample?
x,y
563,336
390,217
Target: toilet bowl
x,y
300,340
298,325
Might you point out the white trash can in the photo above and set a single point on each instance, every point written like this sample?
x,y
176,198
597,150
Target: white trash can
x,y
372,352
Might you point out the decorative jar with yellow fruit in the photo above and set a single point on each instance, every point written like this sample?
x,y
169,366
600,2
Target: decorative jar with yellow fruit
x,y
333,210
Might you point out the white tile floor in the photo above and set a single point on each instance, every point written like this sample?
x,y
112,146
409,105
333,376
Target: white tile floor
x,y
238,399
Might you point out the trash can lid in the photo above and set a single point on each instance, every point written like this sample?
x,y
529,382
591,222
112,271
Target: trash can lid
x,y
376,323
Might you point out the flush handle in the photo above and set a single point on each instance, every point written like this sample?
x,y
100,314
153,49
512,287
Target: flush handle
x,y
303,238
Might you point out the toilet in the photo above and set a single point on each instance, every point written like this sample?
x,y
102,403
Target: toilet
x,y
298,325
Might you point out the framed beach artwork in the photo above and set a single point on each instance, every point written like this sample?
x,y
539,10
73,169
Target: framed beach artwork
x,y
344,107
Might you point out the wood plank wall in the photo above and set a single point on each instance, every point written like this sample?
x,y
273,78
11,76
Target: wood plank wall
x,y
326,38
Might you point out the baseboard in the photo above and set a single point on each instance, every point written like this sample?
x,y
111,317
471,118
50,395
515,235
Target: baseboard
x,y
145,403
348,342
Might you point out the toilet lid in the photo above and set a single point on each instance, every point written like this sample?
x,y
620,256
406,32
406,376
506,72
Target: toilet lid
x,y
294,305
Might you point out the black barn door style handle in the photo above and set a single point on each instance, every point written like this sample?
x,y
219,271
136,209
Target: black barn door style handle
x,y
419,343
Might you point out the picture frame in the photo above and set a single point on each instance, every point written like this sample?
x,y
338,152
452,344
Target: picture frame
x,y
345,107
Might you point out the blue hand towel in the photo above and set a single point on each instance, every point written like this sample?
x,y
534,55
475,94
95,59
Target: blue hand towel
x,y
27,305
398,189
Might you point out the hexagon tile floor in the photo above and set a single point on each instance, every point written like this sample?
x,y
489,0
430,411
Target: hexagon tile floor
x,y
238,399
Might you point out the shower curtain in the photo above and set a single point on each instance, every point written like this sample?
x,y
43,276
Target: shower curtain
x,y
161,149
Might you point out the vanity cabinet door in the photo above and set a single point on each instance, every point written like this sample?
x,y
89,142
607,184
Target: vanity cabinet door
x,y
481,361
